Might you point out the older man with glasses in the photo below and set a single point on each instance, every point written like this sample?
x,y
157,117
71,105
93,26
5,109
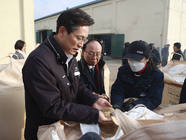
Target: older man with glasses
x,y
91,67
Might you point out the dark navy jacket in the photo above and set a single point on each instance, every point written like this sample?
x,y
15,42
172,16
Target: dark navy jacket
x,y
87,78
148,88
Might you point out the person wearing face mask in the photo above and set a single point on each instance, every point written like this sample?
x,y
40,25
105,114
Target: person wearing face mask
x,y
139,79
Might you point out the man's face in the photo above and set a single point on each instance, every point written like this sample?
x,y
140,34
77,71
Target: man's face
x,y
92,53
153,46
24,48
175,48
70,43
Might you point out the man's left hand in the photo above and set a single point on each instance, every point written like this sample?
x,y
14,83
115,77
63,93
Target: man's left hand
x,y
101,103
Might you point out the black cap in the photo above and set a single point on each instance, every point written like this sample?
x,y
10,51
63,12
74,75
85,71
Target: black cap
x,y
137,50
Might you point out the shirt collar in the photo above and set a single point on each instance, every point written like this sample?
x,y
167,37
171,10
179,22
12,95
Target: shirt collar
x,y
91,66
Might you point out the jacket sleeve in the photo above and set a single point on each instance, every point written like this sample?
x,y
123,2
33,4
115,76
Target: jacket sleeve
x,y
42,87
154,95
158,56
118,89
155,59
85,95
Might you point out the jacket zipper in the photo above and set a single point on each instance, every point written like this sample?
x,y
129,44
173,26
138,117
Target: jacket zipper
x,y
68,70
58,56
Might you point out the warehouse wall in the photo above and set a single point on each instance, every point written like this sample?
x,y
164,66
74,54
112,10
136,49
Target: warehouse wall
x,y
17,23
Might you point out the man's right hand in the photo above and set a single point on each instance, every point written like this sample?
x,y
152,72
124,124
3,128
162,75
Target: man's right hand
x,y
103,120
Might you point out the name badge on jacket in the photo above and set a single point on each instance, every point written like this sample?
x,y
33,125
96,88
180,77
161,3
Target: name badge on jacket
x,y
77,73
143,94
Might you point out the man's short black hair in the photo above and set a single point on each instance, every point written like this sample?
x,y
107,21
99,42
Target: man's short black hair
x,y
127,44
85,45
19,44
178,45
71,19
151,46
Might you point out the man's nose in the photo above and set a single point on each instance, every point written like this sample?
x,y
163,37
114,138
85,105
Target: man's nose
x,y
80,44
94,56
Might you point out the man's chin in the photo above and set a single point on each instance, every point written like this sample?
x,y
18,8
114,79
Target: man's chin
x,y
93,64
72,53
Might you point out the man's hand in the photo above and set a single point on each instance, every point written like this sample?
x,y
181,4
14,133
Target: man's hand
x,y
101,103
103,120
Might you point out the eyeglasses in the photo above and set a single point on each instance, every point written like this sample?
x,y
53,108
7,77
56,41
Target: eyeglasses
x,y
92,54
80,38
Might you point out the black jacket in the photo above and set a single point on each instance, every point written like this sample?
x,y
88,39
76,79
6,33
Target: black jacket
x,y
157,54
155,59
165,52
87,78
148,88
51,92
177,57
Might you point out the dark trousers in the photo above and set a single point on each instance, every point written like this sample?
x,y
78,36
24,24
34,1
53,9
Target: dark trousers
x,y
90,136
164,61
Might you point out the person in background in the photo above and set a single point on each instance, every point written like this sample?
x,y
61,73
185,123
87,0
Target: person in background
x,y
154,58
183,95
124,52
91,66
139,79
20,47
165,54
177,49
184,53
103,48
155,51
53,89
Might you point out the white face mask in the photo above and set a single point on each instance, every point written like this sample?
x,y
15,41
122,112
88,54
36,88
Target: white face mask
x,y
136,65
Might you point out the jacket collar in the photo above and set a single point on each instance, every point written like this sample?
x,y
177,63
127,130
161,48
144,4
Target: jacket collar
x,y
54,46
101,63
128,74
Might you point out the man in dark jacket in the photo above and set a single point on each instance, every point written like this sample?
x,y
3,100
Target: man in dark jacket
x,y
91,67
154,58
51,78
103,48
177,49
155,51
165,54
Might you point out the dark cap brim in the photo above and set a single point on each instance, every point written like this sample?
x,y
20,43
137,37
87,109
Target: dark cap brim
x,y
135,57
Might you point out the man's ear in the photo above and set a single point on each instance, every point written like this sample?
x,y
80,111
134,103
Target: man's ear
x,y
82,52
62,31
